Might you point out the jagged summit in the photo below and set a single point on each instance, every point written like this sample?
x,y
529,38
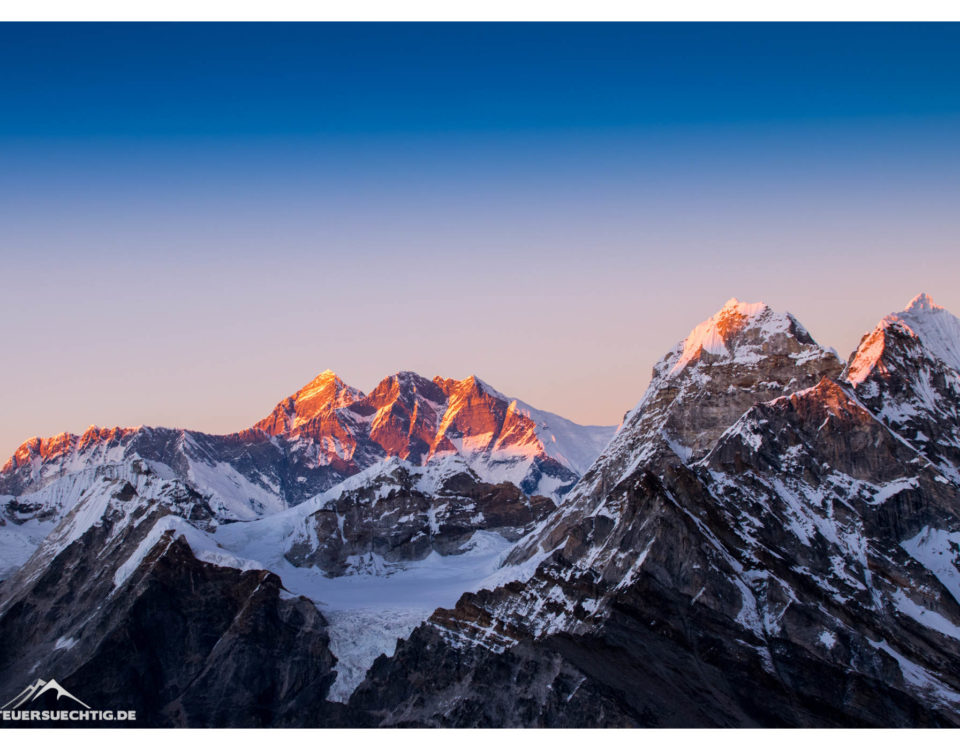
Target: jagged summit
x,y
419,419
327,374
469,384
711,335
922,301
404,384
907,370
39,450
744,308
323,394
322,434
924,322
937,328
763,543
744,353
406,375
755,528
737,331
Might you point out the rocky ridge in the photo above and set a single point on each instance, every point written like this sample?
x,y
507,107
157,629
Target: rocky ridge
x,y
770,539
787,560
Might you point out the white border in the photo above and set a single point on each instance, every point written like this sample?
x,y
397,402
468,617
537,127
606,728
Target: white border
x,y
489,10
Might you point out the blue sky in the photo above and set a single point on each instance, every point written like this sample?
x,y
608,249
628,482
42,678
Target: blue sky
x,y
195,219
180,80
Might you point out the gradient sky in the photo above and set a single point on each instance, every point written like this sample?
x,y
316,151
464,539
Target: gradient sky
x,y
195,220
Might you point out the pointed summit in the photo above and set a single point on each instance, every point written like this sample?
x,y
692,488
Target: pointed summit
x,y
907,372
326,382
322,395
935,326
743,308
737,331
923,321
743,354
324,376
922,302
711,335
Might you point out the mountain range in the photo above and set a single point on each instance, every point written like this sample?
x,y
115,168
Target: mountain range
x,y
770,538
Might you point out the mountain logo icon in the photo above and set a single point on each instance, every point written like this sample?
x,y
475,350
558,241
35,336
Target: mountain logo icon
x,y
53,689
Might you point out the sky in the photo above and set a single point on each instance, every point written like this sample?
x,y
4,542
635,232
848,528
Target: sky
x,y
195,220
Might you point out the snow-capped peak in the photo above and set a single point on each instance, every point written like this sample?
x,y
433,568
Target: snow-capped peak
x,y
935,327
324,393
744,353
743,308
717,335
324,377
922,301
328,383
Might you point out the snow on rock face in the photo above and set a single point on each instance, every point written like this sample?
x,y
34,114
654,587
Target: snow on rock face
x,y
753,522
751,502
938,550
573,445
121,496
203,548
832,490
505,439
419,420
323,394
127,586
935,328
46,507
313,440
716,335
743,355
40,460
18,542
907,371
399,512
239,476
739,332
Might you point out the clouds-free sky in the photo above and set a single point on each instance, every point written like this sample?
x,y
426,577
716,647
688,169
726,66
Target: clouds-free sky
x,y
196,219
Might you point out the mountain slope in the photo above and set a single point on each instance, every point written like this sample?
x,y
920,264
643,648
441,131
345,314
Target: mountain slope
x,y
907,370
772,555
142,609
742,355
311,442
770,539
410,417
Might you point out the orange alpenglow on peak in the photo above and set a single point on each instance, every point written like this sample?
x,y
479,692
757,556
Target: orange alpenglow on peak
x,y
322,395
922,301
65,443
330,430
713,334
935,327
408,416
744,308
827,399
